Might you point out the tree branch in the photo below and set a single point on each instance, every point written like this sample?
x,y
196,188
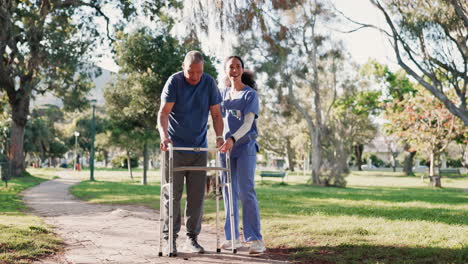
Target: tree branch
x,y
461,12
361,25
77,3
462,113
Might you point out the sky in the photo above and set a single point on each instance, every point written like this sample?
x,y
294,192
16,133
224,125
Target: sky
x,y
365,43
362,45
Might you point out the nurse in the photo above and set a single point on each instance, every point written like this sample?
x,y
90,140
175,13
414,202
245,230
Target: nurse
x,y
240,108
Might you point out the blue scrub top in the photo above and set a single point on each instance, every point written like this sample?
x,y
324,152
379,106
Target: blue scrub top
x,y
189,116
234,110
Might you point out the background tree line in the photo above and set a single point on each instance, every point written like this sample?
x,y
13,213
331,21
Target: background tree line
x,y
316,101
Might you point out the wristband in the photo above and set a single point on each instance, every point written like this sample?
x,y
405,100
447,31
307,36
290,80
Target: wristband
x,y
233,139
219,137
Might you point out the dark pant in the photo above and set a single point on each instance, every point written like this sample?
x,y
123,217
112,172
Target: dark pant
x,y
195,189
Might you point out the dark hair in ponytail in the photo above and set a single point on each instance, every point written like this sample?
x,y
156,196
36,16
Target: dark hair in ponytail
x,y
248,77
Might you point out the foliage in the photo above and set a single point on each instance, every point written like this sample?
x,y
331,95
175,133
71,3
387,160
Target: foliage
x,y
121,162
426,124
395,86
349,125
42,139
376,161
454,163
147,59
46,46
283,135
429,39
83,124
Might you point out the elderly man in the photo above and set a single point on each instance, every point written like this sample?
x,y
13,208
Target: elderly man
x,y
186,101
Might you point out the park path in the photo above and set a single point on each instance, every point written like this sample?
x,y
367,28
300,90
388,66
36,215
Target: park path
x,y
96,233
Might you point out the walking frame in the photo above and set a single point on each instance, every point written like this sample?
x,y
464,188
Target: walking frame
x,y
169,187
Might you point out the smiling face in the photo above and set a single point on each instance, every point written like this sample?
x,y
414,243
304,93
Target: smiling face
x,y
193,72
234,69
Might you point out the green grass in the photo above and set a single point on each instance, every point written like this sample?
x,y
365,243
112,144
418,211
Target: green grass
x,y
23,237
381,217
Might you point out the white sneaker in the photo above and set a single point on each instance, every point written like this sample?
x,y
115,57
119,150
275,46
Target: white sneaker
x,y
228,244
257,247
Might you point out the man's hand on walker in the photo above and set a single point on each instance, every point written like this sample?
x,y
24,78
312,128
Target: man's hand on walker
x,y
165,143
219,142
227,146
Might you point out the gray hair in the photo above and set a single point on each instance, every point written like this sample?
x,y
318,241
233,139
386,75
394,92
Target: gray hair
x,y
193,57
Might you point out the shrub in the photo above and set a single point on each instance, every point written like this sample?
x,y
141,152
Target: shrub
x,y
376,161
121,162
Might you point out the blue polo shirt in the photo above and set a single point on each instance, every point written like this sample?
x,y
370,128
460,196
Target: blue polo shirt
x,y
189,116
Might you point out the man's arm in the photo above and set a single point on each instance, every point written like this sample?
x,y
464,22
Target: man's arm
x,y
218,125
163,124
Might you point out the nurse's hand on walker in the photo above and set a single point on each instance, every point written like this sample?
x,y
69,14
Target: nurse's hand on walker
x,y
165,143
227,146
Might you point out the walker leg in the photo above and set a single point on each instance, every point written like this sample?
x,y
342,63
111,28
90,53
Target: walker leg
x,y
161,201
218,248
171,202
231,206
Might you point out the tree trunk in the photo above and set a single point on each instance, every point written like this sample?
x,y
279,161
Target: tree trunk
x,y
435,178
394,161
464,150
409,159
145,163
16,149
19,103
105,153
316,157
431,165
129,165
358,150
290,154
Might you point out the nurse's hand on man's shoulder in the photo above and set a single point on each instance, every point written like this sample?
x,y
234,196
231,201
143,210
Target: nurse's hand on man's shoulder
x,y
165,144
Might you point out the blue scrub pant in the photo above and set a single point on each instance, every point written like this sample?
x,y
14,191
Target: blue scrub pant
x,y
243,183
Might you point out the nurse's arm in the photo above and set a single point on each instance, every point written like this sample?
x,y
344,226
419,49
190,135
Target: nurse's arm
x,y
163,123
218,126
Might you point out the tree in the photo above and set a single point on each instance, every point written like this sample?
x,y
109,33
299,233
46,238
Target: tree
x,y
391,143
103,144
427,124
147,59
83,124
294,54
42,139
45,46
350,127
287,42
395,86
430,42
282,133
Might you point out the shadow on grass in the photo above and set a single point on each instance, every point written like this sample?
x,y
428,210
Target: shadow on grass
x,y
279,199
387,194
447,216
306,200
369,254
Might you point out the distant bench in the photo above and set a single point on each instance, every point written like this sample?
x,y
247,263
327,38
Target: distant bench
x,y
449,171
274,174
446,171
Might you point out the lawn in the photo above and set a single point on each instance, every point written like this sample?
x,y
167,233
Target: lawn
x,y
381,217
23,237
